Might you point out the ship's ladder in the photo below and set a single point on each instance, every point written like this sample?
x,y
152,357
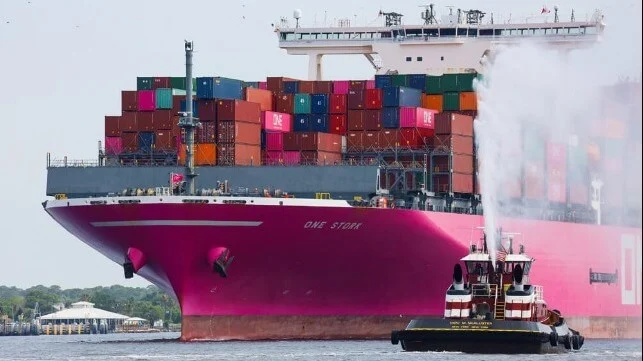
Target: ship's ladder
x,y
500,309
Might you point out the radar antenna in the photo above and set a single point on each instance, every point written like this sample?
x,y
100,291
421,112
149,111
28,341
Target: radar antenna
x,y
392,18
297,15
573,17
474,17
428,15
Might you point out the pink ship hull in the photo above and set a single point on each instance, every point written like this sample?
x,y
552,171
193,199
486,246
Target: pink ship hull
x,y
341,272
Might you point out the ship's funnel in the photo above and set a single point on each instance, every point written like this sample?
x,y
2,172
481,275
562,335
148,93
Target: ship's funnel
x,y
517,278
134,261
219,259
458,283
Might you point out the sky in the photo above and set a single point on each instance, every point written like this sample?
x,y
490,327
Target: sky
x,y
64,63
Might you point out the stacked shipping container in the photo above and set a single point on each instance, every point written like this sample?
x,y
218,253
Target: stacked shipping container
x,y
284,121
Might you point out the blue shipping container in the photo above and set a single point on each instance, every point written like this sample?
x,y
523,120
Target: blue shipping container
x,y
319,104
391,118
291,87
263,139
382,81
195,110
417,81
319,123
145,142
302,123
400,96
219,88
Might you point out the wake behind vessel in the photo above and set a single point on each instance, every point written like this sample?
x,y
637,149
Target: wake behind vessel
x,y
316,267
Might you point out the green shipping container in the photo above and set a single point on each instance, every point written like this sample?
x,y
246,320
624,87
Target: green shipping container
x,y
465,82
450,82
163,97
451,101
400,80
302,103
433,84
144,83
178,82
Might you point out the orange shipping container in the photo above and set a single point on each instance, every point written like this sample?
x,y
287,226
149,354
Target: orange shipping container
x,y
238,154
432,102
204,154
468,101
260,96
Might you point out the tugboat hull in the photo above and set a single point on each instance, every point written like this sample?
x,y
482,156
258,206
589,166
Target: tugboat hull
x,y
486,336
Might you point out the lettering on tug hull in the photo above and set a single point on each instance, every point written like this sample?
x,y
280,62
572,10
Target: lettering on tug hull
x,y
332,225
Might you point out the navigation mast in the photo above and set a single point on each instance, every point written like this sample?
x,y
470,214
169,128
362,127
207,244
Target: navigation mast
x,y
188,122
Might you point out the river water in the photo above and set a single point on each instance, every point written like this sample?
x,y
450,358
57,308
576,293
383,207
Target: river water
x,y
164,346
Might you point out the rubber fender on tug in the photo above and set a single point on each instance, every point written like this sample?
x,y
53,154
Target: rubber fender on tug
x,y
553,339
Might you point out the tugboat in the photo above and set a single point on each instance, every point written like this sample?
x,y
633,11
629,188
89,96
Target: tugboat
x,y
493,310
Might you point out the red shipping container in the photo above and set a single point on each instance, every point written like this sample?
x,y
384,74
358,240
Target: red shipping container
x,y
357,85
460,163
371,140
239,132
355,120
370,84
176,103
340,86
127,123
276,122
146,100
389,138
275,141
455,143
579,194
285,103
323,87
260,96
163,119
355,140
453,123
306,86
263,85
113,145
292,157
130,142
373,98
111,126
337,104
145,121
415,117
337,124
320,158
176,130
240,110
129,100
164,141
161,82
325,142
355,100
207,133
276,84
206,109
456,183
272,157
534,180
372,119
238,154
414,138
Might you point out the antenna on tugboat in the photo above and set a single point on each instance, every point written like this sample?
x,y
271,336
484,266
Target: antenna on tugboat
x,y
188,122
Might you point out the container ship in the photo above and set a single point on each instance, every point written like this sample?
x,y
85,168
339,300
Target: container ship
x,y
316,209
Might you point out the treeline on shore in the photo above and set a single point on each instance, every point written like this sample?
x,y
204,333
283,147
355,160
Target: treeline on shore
x,y
149,302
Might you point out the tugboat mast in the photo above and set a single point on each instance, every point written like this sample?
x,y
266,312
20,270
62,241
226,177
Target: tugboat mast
x,y
188,122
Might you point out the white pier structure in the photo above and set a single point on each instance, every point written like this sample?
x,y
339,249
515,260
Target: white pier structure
x,y
458,43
